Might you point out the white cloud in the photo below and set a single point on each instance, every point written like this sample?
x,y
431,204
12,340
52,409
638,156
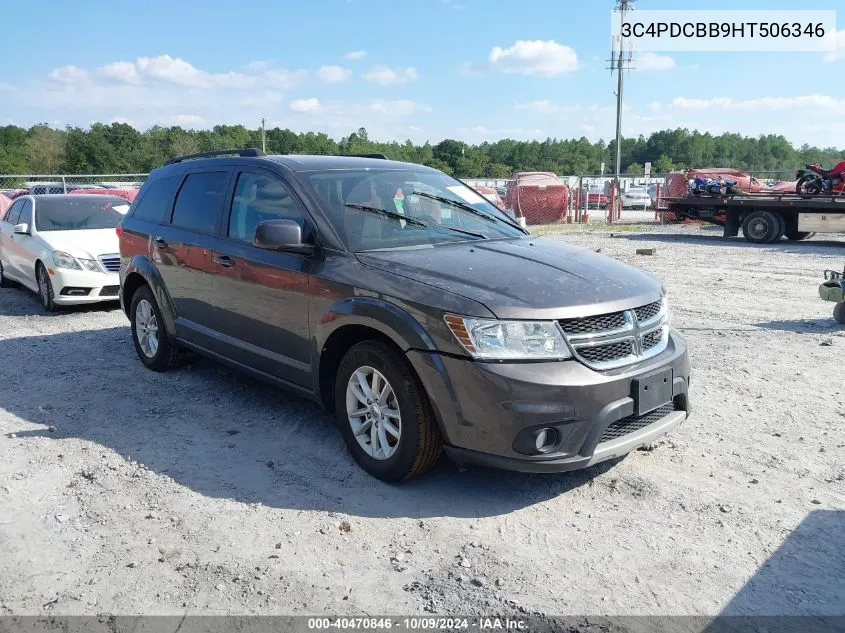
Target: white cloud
x,y
399,108
653,61
69,74
839,53
544,106
355,55
304,105
808,102
190,121
655,106
387,76
333,74
122,71
534,57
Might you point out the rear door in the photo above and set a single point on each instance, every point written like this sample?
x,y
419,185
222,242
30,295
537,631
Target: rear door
x,y
261,296
182,247
7,229
22,248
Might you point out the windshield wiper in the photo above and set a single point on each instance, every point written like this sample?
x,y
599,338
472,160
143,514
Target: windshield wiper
x,y
413,220
386,213
466,207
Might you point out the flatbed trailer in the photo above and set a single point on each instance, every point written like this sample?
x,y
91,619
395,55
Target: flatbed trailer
x,y
764,218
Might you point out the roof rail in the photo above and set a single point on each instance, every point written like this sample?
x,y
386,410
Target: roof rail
x,y
250,152
380,156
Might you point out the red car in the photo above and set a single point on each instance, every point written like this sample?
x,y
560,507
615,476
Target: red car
x,y
126,194
538,196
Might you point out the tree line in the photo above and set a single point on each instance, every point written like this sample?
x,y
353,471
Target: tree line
x,y
120,148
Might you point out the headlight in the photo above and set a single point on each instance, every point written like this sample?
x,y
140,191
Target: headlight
x,y
63,260
90,264
491,339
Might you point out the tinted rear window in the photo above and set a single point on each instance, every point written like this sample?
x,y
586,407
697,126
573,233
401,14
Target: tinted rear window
x,y
78,214
199,201
157,200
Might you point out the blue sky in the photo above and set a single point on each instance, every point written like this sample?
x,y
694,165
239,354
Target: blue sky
x,y
420,69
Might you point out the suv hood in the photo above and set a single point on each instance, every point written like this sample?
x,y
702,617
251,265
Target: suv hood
x,y
527,278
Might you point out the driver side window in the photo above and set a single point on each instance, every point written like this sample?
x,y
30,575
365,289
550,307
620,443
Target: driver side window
x,y
14,212
26,214
260,197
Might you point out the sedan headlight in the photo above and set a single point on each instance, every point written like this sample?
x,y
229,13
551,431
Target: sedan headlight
x,y
63,260
90,264
491,339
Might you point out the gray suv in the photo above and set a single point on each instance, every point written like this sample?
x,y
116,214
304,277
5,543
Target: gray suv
x,y
419,314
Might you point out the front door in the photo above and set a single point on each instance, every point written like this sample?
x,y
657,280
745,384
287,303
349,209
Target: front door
x,y
7,230
261,296
23,249
182,251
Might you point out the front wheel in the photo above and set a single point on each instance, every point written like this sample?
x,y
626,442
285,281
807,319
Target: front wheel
x,y
384,413
152,343
45,288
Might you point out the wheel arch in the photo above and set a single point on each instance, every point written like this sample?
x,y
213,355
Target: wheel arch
x,y
139,272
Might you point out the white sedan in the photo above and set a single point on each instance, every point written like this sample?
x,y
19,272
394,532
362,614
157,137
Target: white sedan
x,y
64,247
636,199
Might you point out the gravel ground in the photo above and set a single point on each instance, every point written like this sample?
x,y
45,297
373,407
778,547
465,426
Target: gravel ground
x,y
202,491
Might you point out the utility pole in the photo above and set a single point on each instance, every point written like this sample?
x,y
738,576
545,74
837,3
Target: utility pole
x,y
620,61
263,137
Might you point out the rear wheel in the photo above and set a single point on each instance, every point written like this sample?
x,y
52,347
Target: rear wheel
x,y
45,288
762,227
808,186
384,413
152,343
5,282
839,312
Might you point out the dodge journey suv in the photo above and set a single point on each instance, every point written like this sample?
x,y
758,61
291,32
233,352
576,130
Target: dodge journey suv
x,y
419,314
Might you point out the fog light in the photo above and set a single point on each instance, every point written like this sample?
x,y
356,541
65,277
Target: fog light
x,y
545,440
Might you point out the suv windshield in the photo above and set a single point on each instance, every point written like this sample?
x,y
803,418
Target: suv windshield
x,y
62,214
367,208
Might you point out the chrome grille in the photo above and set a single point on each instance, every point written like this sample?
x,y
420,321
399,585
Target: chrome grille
x,y
600,323
632,423
650,339
607,353
615,339
647,313
110,262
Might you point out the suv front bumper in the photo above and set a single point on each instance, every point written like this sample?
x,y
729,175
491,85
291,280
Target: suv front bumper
x,y
484,407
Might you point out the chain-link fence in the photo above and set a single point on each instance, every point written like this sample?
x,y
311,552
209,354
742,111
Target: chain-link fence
x,y
123,185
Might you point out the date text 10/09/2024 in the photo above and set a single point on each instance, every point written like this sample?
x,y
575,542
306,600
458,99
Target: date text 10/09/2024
x,y
419,624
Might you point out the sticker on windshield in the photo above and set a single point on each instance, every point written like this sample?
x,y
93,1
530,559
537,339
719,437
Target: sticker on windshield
x,y
467,195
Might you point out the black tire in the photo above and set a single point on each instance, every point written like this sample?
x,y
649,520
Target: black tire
x,y
5,282
167,354
796,236
808,186
45,288
839,312
762,227
420,443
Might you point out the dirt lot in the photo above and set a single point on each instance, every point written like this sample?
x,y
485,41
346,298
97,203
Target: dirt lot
x,y
125,491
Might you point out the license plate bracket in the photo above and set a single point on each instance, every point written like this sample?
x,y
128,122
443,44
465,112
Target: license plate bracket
x,y
652,391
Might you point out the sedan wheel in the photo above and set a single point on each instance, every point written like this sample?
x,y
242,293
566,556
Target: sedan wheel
x,y
146,328
373,413
45,288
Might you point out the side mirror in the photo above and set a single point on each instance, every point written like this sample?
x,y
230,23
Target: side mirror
x,y
281,235
22,229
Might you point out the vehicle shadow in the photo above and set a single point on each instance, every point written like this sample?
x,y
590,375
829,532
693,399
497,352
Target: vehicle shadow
x,y
716,238
20,301
801,582
225,435
803,326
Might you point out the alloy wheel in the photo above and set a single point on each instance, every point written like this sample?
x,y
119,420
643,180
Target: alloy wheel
x,y
146,328
373,413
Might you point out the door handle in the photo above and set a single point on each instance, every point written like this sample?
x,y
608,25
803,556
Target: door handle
x,y
224,260
160,242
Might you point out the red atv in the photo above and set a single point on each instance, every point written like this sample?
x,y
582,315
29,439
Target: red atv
x,y
815,180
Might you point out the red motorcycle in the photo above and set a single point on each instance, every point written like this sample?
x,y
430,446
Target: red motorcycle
x,y
815,180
